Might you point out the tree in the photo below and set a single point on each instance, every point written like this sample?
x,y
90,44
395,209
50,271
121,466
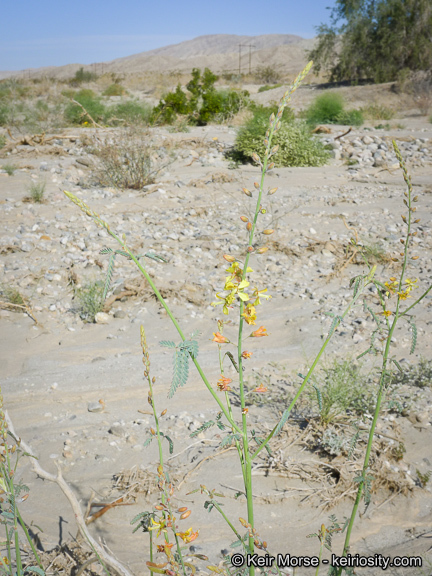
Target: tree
x,y
375,39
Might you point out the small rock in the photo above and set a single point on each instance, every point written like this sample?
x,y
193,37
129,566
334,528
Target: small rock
x,y
120,314
96,406
102,318
118,430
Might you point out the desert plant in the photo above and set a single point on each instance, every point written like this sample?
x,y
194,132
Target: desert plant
x,y
267,75
82,75
236,294
89,300
114,90
378,112
340,390
92,105
129,113
10,169
328,108
268,87
295,145
36,192
126,161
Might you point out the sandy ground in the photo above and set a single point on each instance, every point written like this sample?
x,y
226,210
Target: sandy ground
x,y
53,370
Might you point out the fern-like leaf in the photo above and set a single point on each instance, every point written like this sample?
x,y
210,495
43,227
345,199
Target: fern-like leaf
x,y
233,362
282,421
413,337
202,428
181,370
109,275
353,443
229,439
319,396
148,441
167,344
106,250
170,442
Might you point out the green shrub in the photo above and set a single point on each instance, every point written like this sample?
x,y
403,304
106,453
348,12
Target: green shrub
x,y
114,90
268,87
220,105
328,108
378,112
130,112
36,192
267,75
297,147
89,300
87,98
343,388
325,109
82,75
2,141
169,106
9,169
4,114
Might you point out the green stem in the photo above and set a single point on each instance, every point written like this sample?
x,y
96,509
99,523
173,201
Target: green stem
x,y
312,368
319,559
30,541
11,488
219,509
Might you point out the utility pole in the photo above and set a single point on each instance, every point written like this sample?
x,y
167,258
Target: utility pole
x,y
250,46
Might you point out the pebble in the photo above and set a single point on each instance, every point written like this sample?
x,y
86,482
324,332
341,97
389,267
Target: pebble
x,y
102,318
95,407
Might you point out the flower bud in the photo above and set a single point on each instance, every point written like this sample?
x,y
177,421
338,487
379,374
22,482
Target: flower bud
x,y
247,192
268,231
185,515
244,218
250,249
257,186
256,158
249,226
164,412
272,118
275,149
415,257
262,249
272,191
228,258
182,509
270,166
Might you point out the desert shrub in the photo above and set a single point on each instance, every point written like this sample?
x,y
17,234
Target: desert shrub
x,y
170,105
297,147
89,300
4,114
9,169
378,112
328,108
82,75
126,161
343,389
130,112
2,141
267,75
36,192
268,87
220,105
114,90
87,98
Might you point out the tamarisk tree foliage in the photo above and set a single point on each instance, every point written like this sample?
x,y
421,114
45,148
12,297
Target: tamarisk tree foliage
x,y
375,39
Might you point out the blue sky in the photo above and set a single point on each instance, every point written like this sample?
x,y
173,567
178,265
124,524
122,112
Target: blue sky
x,y
57,32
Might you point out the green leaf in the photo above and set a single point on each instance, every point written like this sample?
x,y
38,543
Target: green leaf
x,y
231,357
170,442
34,569
167,344
109,274
413,337
148,441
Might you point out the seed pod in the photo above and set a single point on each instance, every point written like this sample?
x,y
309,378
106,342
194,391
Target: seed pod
x,y
182,509
402,241
417,221
153,431
415,257
404,218
268,231
265,142
272,118
249,226
262,249
257,186
159,507
244,218
250,249
164,412
275,149
228,258
270,166
247,192
272,191
154,379
185,515
149,399
414,209
395,259
256,158
415,199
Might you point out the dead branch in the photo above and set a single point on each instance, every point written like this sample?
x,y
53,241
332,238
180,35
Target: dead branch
x,y
344,134
85,113
65,488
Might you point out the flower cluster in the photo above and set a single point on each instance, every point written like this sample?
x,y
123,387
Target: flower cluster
x,y
235,286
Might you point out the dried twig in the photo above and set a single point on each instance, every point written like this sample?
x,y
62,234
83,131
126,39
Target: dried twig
x,y
65,488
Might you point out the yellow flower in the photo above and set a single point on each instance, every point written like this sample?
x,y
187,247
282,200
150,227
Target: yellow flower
x,y
188,536
260,294
404,294
246,355
261,388
159,526
249,314
387,313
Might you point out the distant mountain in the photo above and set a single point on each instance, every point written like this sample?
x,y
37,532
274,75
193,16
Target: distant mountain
x,y
219,52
